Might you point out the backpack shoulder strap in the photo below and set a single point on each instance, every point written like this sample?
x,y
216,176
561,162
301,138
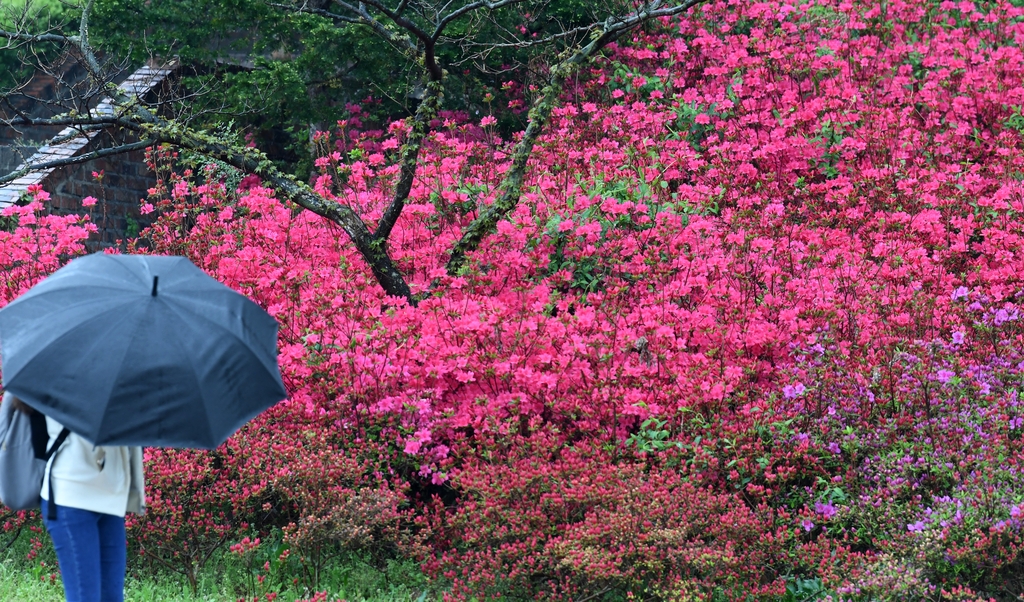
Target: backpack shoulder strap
x,y
64,432
51,506
39,434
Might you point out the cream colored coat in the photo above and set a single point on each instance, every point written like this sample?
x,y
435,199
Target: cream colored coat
x,y
99,478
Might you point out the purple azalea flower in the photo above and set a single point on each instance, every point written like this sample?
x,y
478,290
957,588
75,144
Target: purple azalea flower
x,y
826,509
793,391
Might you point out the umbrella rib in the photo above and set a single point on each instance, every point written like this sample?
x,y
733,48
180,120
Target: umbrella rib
x,y
56,341
40,294
123,266
195,374
76,325
179,311
182,353
61,280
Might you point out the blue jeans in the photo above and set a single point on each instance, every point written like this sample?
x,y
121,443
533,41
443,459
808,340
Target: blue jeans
x,y
92,550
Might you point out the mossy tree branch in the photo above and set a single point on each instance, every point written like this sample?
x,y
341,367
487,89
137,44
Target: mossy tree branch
x,y
373,250
540,115
427,111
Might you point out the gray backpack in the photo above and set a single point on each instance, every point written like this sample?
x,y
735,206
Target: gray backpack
x,y
23,455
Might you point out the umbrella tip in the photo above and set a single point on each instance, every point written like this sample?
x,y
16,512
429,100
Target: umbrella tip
x,y
155,279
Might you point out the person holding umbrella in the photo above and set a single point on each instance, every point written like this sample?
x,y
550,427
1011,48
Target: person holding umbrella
x,y
128,351
87,490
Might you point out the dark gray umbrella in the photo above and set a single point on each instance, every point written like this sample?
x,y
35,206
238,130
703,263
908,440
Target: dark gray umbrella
x,y
140,350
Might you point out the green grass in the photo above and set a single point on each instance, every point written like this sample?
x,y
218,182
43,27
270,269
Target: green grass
x,y
224,580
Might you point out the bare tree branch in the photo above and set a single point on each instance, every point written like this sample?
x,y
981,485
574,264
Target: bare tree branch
x,y
82,42
33,38
77,159
250,160
155,130
546,40
426,54
466,9
361,17
88,120
315,11
398,19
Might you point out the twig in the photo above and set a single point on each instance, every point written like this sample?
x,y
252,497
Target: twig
x,y
77,159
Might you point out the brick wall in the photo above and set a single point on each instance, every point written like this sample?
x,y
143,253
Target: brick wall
x,y
126,181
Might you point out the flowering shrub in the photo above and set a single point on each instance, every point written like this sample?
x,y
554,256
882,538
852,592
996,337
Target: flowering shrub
x,y
755,328
755,262
296,482
583,522
32,245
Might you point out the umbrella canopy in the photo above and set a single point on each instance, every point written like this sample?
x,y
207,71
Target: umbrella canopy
x,y
140,350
